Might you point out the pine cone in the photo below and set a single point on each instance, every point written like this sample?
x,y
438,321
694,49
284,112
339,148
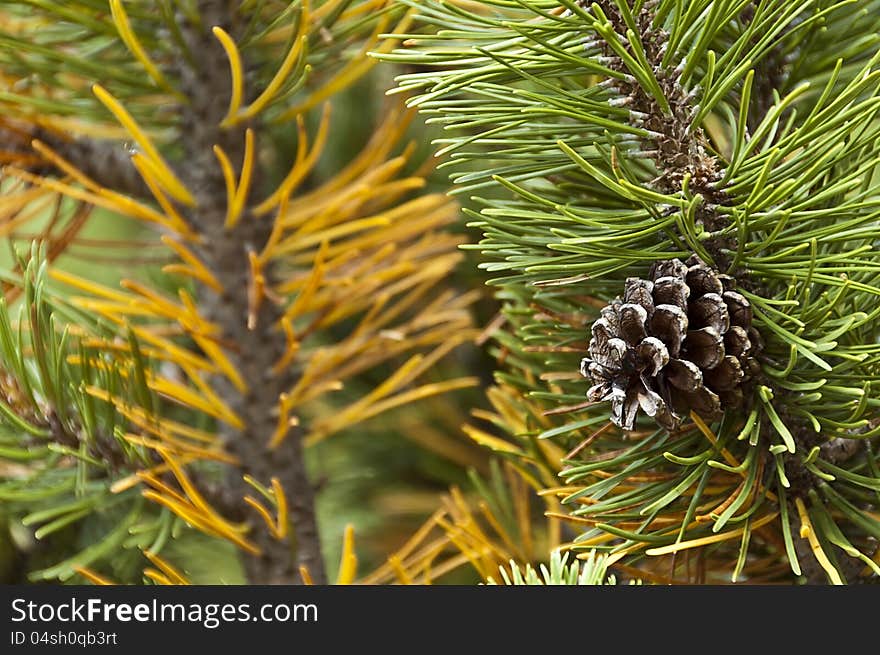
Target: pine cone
x,y
682,340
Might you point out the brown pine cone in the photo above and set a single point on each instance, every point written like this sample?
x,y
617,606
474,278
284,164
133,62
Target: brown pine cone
x,y
682,340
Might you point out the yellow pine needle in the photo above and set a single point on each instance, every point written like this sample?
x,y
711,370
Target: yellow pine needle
x,y
305,575
354,69
218,357
350,357
410,396
162,428
711,539
165,349
112,201
311,286
707,432
348,562
12,212
420,534
317,383
291,349
211,396
167,177
281,76
236,71
264,514
362,8
196,274
126,483
276,232
443,443
713,439
256,289
244,183
807,532
400,571
351,266
93,577
148,475
162,306
184,449
174,220
194,262
325,10
65,166
409,219
489,441
326,208
496,525
423,557
377,149
400,377
159,485
285,421
113,309
281,503
373,319
346,229
263,491
170,571
474,555
190,490
59,275
307,383
228,176
174,353
300,169
279,526
341,297
451,564
199,521
187,397
166,428
715,512
123,26
380,145
157,577
73,125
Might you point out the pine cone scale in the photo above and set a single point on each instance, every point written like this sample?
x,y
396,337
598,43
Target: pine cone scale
x,y
710,310
680,341
704,347
669,324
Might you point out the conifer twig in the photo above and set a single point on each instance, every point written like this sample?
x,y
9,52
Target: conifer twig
x,y
258,346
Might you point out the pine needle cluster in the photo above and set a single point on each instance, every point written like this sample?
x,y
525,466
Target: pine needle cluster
x,y
183,401
595,139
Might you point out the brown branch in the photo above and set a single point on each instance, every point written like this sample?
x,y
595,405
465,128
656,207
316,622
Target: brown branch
x,y
107,162
258,346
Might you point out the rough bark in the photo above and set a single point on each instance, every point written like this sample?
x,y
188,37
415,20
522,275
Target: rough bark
x,y
256,348
106,162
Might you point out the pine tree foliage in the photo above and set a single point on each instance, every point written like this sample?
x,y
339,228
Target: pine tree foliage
x,y
592,572
138,413
595,139
495,522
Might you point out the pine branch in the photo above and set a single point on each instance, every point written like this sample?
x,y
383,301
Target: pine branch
x,y
106,162
273,296
677,148
606,139
258,345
